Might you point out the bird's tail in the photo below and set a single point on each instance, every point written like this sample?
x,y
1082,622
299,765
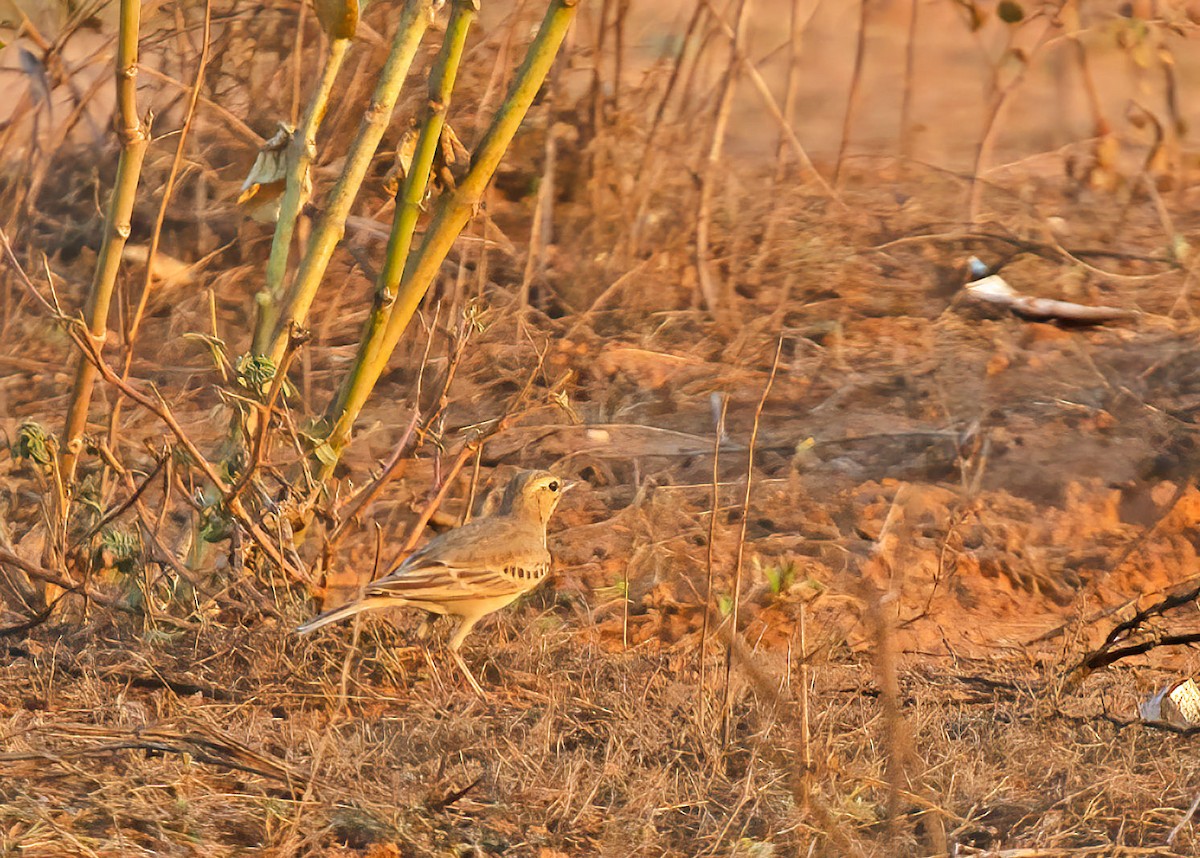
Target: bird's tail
x,y
347,610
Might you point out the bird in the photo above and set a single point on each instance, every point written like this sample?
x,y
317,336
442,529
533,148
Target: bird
x,y
473,570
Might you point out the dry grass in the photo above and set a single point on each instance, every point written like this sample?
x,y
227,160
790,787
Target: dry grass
x,y
580,750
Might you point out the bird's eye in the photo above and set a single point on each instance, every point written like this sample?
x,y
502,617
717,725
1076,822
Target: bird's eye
x,y
553,486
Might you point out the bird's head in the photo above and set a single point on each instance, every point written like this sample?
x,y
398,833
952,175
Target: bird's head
x,y
534,494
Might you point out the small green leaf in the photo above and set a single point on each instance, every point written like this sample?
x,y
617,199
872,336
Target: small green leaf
x,y
216,525
325,453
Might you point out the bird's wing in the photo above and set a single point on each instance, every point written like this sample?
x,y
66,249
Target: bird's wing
x,y
469,565
457,545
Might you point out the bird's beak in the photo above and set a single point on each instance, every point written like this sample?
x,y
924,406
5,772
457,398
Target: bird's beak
x,y
570,484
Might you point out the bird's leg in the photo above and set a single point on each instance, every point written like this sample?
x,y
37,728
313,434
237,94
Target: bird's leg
x,y
466,671
460,634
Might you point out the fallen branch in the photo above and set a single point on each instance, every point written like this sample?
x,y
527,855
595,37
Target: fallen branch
x,y
1109,651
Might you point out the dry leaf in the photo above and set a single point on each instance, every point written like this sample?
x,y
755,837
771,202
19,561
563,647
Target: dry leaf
x,y
450,162
339,18
265,183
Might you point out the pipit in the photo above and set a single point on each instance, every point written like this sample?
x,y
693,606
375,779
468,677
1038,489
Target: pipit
x,y
473,570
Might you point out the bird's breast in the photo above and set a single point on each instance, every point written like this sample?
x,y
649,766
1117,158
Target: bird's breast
x,y
526,575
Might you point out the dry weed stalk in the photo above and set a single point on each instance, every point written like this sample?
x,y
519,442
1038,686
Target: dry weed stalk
x,y
676,66
710,566
902,758
542,228
776,217
764,92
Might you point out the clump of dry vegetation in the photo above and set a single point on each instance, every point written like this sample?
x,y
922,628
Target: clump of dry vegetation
x,y
861,566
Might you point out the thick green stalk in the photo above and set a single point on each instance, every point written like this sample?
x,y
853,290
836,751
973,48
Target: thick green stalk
x,y
332,224
301,153
452,213
135,137
412,192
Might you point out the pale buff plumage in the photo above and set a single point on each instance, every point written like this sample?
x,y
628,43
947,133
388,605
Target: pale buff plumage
x,y
473,570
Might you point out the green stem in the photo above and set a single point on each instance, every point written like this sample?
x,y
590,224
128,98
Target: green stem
x,y
135,137
412,192
301,153
332,224
452,213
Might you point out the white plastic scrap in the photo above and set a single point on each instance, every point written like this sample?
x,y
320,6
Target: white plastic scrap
x,y
1178,705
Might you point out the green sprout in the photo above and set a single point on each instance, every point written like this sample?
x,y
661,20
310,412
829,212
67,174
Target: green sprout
x,y
119,549
256,372
780,577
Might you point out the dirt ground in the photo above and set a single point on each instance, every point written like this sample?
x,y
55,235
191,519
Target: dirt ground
x,y
951,505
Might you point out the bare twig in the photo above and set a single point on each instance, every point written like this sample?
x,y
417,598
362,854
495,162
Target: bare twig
x,y
772,106
709,289
33,570
741,544
676,65
158,407
376,486
854,96
993,120
1108,652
